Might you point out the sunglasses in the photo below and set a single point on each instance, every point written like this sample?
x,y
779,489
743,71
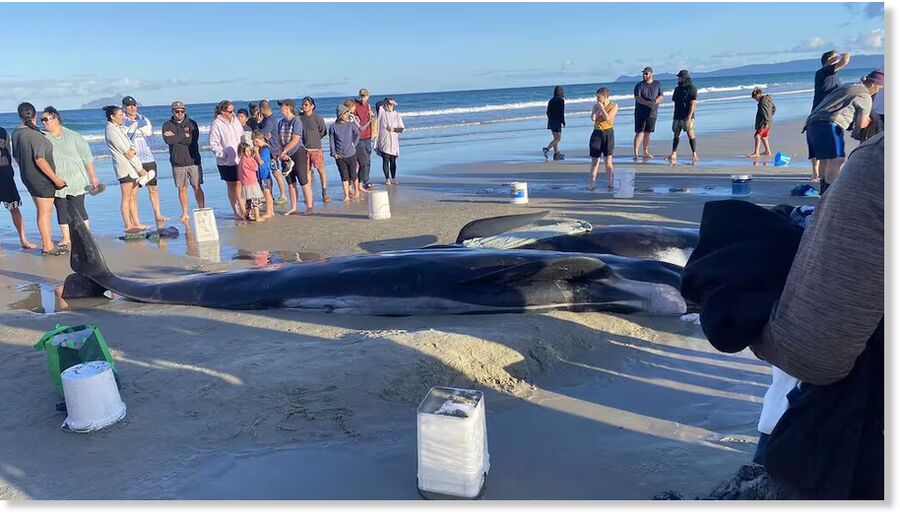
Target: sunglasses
x,y
230,111
47,119
178,111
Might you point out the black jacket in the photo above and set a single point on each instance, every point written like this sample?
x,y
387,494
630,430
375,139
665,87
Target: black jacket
x,y
830,442
183,147
556,111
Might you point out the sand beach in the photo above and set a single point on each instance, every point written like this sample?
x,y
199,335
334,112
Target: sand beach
x,y
280,404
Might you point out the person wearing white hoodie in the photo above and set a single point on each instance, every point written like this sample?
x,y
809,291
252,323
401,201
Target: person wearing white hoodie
x,y
128,167
138,128
224,136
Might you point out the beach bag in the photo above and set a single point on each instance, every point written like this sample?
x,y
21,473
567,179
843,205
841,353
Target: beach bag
x,y
67,346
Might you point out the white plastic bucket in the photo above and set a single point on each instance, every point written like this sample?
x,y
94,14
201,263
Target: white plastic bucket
x,y
741,185
623,184
92,398
379,205
453,459
518,193
205,226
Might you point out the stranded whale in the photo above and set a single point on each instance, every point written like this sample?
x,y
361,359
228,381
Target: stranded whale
x,y
452,280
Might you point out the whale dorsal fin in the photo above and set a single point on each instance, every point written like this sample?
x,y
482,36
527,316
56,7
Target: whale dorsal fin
x,y
564,268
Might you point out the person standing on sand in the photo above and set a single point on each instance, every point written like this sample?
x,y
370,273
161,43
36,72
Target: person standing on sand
x,y
364,149
129,170
826,80
74,163
9,193
269,126
765,113
313,132
648,94
850,104
34,155
343,136
603,141
243,117
556,120
182,135
138,128
225,134
685,100
293,156
390,125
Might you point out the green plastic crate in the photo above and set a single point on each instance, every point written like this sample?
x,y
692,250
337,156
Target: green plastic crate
x,y
71,345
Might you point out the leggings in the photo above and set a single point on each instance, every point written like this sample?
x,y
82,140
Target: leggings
x,y
389,166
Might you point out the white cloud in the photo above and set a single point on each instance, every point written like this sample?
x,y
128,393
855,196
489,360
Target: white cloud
x,y
811,44
872,40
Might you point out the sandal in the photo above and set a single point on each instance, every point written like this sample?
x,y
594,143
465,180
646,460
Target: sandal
x,y
98,190
56,251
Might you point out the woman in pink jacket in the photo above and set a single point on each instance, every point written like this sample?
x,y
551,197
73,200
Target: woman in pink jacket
x,y
224,136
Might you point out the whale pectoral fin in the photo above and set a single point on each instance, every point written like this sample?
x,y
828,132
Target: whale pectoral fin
x,y
567,268
496,225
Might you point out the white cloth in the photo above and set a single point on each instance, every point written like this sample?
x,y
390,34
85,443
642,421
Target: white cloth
x,y
388,141
224,138
118,144
775,402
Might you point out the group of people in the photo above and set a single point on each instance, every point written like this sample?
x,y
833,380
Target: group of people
x,y
254,150
836,108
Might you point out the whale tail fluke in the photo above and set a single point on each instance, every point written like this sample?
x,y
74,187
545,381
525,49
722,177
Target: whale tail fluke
x,y
85,258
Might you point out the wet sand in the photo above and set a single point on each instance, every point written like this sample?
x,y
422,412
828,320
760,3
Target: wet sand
x,y
285,404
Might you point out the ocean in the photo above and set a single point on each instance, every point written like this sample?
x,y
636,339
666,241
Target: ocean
x,y
441,128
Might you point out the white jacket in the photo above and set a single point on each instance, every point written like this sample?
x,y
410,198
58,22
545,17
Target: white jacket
x,y
224,137
118,143
388,142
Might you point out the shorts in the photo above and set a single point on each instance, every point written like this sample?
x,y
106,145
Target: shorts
x,y
192,174
265,184
12,205
762,133
679,125
228,173
62,213
253,203
644,123
825,140
40,186
148,166
9,192
315,158
300,172
602,143
347,168
554,126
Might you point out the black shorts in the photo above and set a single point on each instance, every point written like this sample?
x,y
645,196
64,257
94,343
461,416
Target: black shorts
x,y
300,172
602,143
825,140
644,123
554,126
148,166
347,168
228,172
62,213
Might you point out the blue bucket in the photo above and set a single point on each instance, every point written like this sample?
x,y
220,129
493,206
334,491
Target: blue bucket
x,y
740,185
781,160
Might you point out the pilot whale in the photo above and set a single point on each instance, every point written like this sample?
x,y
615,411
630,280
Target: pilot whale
x,y
454,280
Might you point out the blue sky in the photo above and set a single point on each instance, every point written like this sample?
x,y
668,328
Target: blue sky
x,y
73,53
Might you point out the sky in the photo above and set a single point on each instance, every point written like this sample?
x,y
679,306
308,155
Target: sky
x,y
202,52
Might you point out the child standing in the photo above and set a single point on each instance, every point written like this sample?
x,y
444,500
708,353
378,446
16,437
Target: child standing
x,y
264,159
343,137
247,173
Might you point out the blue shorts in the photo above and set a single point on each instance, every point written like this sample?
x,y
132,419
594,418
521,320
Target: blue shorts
x,y
825,140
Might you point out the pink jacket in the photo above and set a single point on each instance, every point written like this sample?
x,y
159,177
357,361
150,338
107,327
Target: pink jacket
x,y
224,137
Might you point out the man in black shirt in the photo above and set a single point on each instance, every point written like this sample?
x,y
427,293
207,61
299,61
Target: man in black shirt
x,y
647,96
685,99
826,80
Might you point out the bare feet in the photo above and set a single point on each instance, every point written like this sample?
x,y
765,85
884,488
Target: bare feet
x,y
590,188
63,244
767,153
346,199
290,211
647,156
395,181
27,245
161,220
184,218
672,158
387,181
309,211
753,155
695,158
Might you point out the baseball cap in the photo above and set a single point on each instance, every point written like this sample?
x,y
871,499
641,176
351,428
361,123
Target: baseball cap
x,y
308,99
647,69
341,109
391,100
876,76
129,101
178,105
287,102
684,74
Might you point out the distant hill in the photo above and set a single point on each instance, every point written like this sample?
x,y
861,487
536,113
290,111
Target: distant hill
x,y
113,100
800,65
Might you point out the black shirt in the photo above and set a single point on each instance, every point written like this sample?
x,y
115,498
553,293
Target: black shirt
x,y
649,92
682,97
556,111
184,149
826,80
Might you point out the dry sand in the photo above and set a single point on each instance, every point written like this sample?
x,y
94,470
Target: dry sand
x,y
284,404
